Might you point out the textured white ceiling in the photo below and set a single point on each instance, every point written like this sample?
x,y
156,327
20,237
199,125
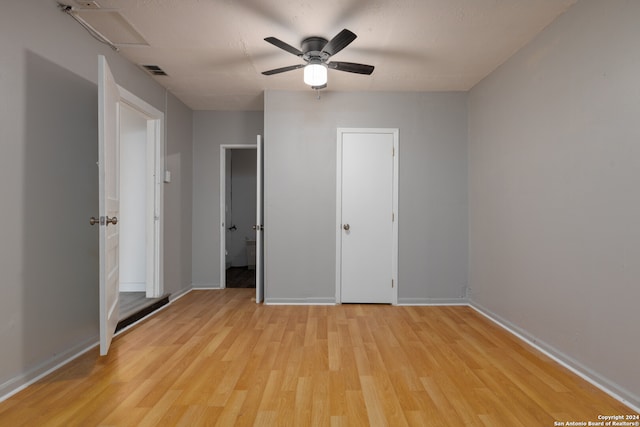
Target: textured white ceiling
x,y
214,50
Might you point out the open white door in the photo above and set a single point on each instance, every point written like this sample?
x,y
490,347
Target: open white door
x,y
259,225
109,204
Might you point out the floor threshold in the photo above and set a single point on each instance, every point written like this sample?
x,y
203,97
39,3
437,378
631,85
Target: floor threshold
x,y
143,312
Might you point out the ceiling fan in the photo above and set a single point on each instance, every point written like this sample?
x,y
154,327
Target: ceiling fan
x,y
316,51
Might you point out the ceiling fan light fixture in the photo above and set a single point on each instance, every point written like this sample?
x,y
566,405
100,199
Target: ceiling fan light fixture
x,y
315,74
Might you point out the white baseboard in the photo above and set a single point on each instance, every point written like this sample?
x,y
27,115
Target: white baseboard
x,y
204,286
432,301
300,301
332,301
563,359
179,294
24,380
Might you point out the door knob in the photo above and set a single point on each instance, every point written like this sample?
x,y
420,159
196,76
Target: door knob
x,y
101,220
346,227
93,220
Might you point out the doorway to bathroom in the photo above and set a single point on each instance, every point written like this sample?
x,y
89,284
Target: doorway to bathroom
x,y
238,214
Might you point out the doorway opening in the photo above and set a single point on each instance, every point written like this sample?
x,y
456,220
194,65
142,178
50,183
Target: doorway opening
x,y
238,186
140,287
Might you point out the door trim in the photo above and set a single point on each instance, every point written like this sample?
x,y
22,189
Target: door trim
x,y
338,227
223,205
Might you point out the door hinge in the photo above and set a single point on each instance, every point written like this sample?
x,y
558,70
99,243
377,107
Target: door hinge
x,y
392,284
393,151
393,216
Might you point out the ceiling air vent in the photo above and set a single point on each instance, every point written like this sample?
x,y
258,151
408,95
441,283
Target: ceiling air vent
x,y
88,4
155,70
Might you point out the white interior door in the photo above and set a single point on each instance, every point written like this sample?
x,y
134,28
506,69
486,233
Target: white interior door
x,y
259,225
367,217
108,158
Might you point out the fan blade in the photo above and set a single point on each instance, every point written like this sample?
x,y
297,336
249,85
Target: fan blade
x,y
284,46
351,67
283,69
339,42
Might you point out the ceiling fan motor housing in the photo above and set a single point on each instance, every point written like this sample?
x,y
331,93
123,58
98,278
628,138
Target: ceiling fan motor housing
x,y
312,48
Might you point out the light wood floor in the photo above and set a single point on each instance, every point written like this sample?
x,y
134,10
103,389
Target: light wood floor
x,y
216,358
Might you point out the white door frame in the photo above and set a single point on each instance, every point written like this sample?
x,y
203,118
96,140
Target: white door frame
x,y
223,205
394,250
154,190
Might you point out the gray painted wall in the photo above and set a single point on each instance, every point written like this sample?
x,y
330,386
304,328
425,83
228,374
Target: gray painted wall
x,y
178,198
554,206
210,130
300,191
48,185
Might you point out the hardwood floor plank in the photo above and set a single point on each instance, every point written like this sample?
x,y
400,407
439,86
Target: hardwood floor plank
x,y
226,386
303,400
202,383
357,410
528,410
376,406
321,401
255,392
122,414
286,401
217,358
231,410
208,416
